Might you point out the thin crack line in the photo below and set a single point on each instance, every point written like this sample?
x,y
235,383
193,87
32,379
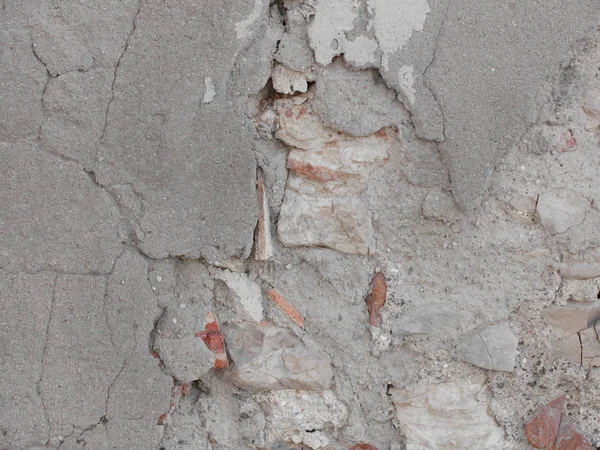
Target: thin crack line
x,y
108,391
580,349
47,337
112,86
487,350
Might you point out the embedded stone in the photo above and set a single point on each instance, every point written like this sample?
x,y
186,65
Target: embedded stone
x,y
246,294
340,168
431,320
558,211
579,290
269,357
574,317
541,431
295,416
570,438
493,347
447,416
340,223
590,346
288,81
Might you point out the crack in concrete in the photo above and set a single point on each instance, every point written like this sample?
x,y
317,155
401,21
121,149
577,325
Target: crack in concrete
x,y
580,349
433,58
42,62
105,417
112,86
105,296
487,350
45,348
54,271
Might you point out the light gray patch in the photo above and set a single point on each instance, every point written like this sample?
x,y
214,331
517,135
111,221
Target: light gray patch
x,y
74,107
293,50
80,363
355,102
21,111
70,223
494,347
61,50
253,65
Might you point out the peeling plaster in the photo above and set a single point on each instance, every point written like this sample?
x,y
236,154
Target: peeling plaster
x,y
395,22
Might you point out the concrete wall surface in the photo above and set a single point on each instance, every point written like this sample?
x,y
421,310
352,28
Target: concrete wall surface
x,y
299,224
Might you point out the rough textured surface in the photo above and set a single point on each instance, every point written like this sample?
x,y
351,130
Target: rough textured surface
x,y
481,88
299,224
69,223
356,102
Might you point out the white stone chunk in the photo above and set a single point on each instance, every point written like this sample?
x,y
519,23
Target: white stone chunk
x,y
209,90
343,223
288,81
446,416
247,294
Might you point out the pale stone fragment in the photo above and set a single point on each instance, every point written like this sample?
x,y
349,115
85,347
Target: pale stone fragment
x,y
590,346
447,416
574,317
269,357
431,319
288,81
568,348
343,223
493,347
297,416
340,169
558,211
247,294
579,290
263,238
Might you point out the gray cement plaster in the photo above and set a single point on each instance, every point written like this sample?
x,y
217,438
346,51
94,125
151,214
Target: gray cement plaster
x,y
129,152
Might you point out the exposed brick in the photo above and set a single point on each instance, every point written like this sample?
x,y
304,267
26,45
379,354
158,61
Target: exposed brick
x,y
543,428
569,437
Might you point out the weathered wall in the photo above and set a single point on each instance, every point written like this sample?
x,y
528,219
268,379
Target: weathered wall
x,y
299,224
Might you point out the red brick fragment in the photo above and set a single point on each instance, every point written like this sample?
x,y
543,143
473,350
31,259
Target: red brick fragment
x,y
213,339
543,428
362,446
569,437
376,298
285,307
186,388
567,142
311,172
